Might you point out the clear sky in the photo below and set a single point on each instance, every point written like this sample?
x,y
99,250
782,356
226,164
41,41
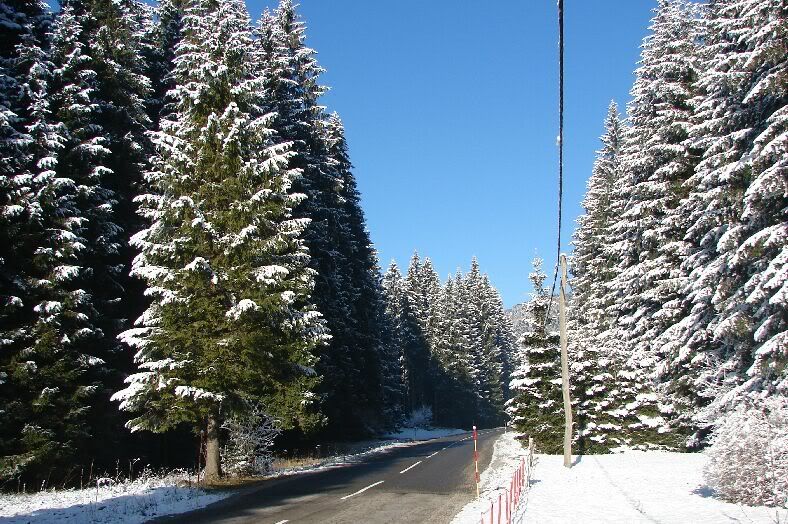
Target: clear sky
x,y
450,110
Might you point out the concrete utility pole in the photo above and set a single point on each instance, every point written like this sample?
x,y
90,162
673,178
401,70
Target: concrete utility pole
x,y
565,368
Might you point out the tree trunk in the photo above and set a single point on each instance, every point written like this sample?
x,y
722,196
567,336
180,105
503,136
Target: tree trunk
x,y
213,462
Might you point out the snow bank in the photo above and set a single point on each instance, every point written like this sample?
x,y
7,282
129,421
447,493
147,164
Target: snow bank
x,y
630,487
634,486
109,503
507,454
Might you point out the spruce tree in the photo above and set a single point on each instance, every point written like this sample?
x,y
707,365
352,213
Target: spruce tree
x,y
347,291
398,334
727,343
592,373
419,295
231,319
536,407
54,377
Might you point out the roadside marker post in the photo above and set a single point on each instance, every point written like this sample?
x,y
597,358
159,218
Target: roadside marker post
x,y
476,460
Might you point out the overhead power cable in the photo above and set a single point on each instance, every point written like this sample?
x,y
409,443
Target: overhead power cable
x,y
560,149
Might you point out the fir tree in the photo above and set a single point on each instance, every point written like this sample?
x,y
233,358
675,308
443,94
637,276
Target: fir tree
x,y
419,296
226,267
734,322
536,405
591,366
346,290
398,334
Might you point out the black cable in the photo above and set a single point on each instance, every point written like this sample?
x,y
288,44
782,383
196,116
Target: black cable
x,y
560,148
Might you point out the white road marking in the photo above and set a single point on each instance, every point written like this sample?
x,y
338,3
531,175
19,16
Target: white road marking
x,y
282,521
410,467
362,490
435,453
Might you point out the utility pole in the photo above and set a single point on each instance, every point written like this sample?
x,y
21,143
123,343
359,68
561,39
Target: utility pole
x,y
565,368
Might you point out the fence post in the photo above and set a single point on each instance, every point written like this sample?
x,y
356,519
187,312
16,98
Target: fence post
x,y
500,507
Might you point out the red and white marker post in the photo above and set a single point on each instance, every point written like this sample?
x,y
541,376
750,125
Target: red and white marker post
x,y
476,460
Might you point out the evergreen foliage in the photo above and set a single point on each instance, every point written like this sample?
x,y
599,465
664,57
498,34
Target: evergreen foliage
x,y
536,405
680,297
231,319
454,341
347,288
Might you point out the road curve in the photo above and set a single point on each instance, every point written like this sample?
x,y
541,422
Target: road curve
x,y
428,482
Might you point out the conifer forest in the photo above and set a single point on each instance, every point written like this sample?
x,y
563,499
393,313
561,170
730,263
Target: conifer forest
x,y
183,247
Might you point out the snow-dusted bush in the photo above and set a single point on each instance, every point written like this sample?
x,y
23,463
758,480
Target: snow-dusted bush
x,y
250,437
748,457
419,418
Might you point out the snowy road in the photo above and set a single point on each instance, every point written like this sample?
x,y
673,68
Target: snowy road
x,y
428,482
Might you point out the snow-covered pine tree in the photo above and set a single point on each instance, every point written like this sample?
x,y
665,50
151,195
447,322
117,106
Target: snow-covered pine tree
x,y
421,290
163,35
23,25
21,21
535,407
112,33
658,161
53,378
453,385
398,334
367,302
592,376
502,342
339,246
647,239
613,398
731,340
487,355
231,319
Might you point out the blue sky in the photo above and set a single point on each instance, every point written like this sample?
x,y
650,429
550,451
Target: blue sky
x,y
450,109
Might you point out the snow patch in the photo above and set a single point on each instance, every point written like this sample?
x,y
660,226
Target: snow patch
x,y
108,502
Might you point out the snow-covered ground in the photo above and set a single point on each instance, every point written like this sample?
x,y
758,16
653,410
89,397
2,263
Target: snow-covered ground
x,y
506,457
125,502
630,487
153,496
635,486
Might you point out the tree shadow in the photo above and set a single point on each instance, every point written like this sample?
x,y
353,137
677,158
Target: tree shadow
x,y
704,491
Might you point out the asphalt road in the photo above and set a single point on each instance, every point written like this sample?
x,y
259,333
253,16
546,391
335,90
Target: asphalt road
x,y
428,482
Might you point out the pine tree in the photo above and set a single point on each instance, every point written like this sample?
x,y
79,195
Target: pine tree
x,y
398,334
592,376
347,289
226,267
536,405
367,316
454,392
658,163
644,293
420,291
163,36
734,321
23,25
486,355
613,397
53,377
